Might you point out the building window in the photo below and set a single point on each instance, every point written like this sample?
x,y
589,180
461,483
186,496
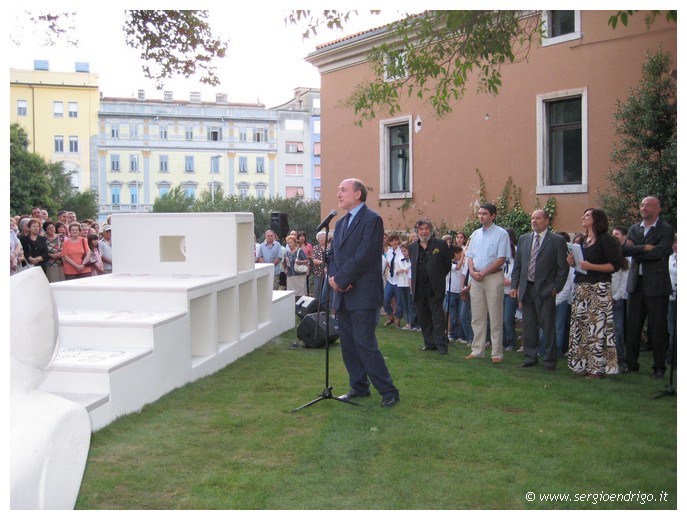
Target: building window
x,y
562,142
243,135
561,26
316,149
114,162
318,171
115,195
214,134
260,190
22,107
114,131
73,144
316,194
396,155
260,135
243,164
316,126
163,133
59,143
189,133
133,131
133,163
189,189
294,147
243,189
293,192
188,164
73,108
214,164
294,169
164,163
133,192
395,66
58,109
260,164
162,190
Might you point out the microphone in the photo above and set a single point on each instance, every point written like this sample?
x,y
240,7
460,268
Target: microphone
x,y
326,221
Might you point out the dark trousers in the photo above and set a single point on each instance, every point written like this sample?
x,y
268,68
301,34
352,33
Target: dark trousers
x,y
361,355
655,310
430,316
539,313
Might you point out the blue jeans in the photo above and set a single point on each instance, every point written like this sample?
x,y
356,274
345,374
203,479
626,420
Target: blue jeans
x,y
389,293
466,320
452,305
403,302
619,329
510,305
562,327
412,312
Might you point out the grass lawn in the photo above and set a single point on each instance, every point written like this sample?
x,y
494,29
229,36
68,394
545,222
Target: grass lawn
x,y
466,435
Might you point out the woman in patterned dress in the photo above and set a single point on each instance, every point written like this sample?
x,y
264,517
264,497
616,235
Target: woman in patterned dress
x,y
592,350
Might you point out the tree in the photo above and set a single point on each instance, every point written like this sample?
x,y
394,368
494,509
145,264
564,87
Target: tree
x,y
171,42
30,175
646,152
175,200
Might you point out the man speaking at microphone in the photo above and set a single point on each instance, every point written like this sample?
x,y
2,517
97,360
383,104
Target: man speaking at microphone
x,y
355,275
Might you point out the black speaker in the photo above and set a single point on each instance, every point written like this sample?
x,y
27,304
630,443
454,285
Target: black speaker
x,y
312,331
279,223
305,305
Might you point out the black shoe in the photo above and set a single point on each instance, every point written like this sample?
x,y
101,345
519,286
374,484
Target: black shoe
x,y
658,374
427,347
626,369
352,394
550,368
442,352
390,401
527,364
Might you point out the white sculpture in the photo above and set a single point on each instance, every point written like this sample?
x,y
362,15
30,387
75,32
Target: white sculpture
x,y
50,436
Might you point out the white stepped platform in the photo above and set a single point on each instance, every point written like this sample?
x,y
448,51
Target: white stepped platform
x,y
128,338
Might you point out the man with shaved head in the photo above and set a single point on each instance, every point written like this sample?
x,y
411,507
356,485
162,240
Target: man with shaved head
x,y
650,244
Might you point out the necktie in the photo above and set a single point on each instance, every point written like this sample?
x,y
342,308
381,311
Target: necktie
x,y
344,228
533,259
393,259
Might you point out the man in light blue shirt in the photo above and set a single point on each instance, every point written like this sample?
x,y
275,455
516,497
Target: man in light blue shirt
x,y
271,252
488,251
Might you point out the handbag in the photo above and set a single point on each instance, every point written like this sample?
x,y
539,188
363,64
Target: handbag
x,y
299,268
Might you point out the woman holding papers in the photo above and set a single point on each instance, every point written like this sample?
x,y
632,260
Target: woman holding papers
x,y
592,350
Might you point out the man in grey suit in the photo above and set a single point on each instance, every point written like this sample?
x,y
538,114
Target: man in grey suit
x,y
355,275
539,273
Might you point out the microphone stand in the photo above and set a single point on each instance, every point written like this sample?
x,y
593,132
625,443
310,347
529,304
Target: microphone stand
x,y
327,392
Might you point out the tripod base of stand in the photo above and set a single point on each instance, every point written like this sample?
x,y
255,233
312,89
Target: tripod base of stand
x,y
669,391
327,394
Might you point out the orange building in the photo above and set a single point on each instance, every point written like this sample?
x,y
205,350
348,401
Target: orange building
x,y
550,128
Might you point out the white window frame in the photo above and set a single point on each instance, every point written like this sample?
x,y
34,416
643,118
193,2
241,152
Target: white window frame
x,y
114,163
134,164
22,108
73,144
260,165
114,131
164,164
384,165
189,164
401,56
59,144
575,35
543,146
58,109
243,164
73,108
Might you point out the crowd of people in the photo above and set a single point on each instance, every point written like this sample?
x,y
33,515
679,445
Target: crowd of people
x,y
64,248
590,300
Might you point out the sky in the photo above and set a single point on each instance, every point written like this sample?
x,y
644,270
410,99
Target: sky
x,y
265,58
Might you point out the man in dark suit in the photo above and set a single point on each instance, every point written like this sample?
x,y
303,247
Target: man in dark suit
x,y
539,273
355,275
650,244
430,261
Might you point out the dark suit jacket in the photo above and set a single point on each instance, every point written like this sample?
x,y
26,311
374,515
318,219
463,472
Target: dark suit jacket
x,y
654,263
438,264
356,260
551,270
